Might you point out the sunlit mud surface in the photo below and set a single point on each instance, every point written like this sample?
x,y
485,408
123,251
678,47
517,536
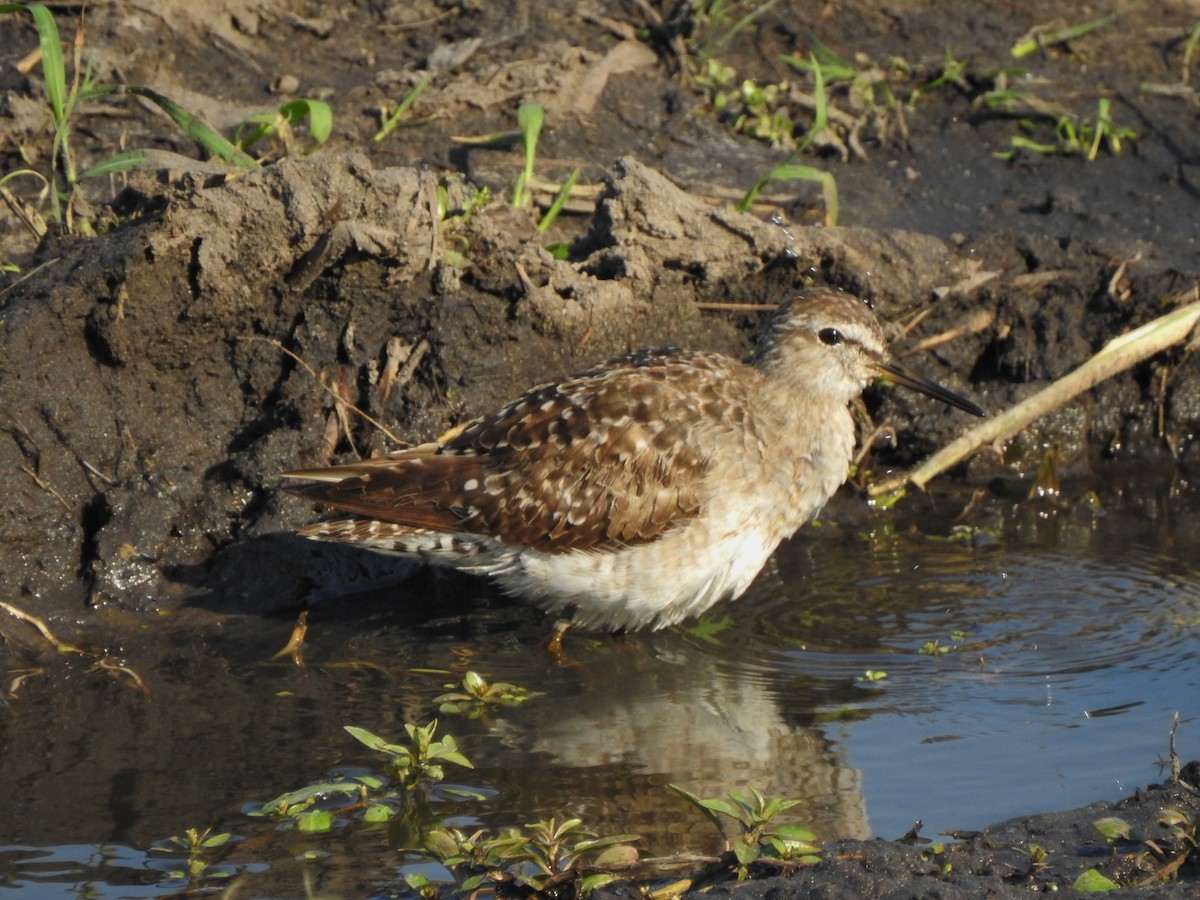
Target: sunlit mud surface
x,y
1032,667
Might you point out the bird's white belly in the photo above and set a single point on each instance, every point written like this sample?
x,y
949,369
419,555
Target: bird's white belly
x,y
649,585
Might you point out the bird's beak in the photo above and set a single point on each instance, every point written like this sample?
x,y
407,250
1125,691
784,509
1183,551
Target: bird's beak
x,y
900,375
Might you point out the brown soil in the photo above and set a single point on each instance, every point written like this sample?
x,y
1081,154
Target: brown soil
x,y
150,391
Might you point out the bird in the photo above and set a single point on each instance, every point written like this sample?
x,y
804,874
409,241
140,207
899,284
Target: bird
x,y
641,492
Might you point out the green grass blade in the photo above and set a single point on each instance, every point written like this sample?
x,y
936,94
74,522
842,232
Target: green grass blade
x,y
560,200
1067,34
495,139
530,118
1189,48
741,23
54,70
318,113
122,162
191,125
393,121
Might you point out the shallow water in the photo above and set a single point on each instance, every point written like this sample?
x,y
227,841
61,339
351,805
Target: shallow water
x,y
1070,638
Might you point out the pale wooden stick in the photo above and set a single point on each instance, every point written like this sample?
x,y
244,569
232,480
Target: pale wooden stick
x,y
1117,355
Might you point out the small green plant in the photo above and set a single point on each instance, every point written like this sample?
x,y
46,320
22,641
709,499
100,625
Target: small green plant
x,y
200,847
281,121
65,99
954,71
710,626
1073,135
560,200
530,118
458,201
709,25
314,807
1040,38
1037,857
544,855
758,835
414,768
478,694
868,86
1160,858
393,121
746,107
422,760
789,171
933,648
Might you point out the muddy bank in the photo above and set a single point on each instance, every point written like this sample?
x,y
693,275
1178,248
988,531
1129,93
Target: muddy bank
x,y
155,379
158,378
1029,855
154,394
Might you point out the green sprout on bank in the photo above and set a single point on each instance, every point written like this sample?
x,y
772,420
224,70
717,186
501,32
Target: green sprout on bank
x,y
393,121
868,85
954,72
1183,87
1040,38
560,201
65,99
1074,137
1160,858
530,118
281,121
757,835
787,170
714,23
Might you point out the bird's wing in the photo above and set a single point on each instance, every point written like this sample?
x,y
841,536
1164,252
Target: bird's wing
x,y
604,459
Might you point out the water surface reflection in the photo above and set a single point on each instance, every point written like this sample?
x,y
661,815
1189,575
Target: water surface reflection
x,y
1055,656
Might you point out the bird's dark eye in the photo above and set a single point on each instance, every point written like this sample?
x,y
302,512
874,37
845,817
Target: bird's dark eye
x,y
829,336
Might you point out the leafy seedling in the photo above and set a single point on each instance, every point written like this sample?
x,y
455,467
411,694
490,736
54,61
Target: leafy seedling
x,y
422,760
538,858
200,847
560,200
64,100
282,120
477,694
789,171
758,835
414,768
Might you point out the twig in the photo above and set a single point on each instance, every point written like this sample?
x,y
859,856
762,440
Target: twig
x,y
1173,756
309,369
45,487
1116,356
294,648
978,321
42,627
